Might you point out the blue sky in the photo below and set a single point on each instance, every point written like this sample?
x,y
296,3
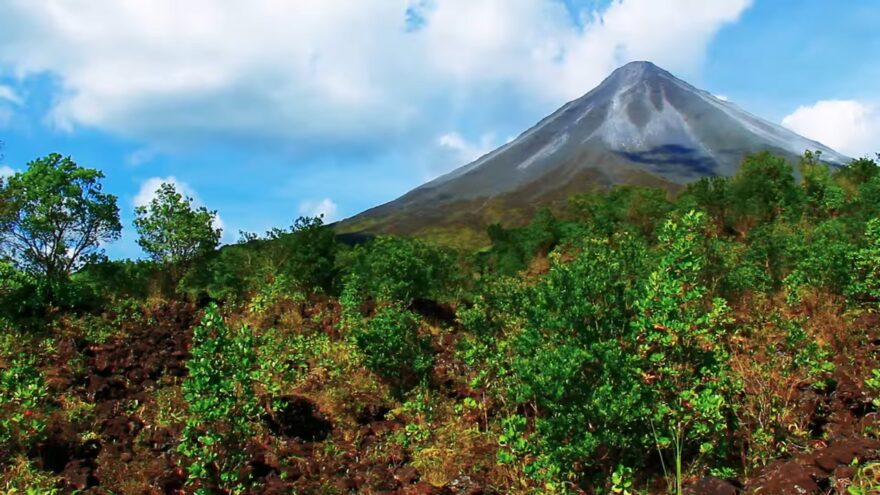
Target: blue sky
x,y
269,109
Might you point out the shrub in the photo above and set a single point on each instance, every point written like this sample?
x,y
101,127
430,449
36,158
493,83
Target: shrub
x,y
866,261
280,264
393,347
222,405
392,269
680,344
568,363
24,399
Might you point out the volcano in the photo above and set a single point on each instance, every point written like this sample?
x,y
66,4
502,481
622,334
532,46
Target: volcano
x,y
641,126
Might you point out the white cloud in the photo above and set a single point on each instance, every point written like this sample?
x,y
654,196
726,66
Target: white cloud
x,y
7,171
722,97
139,157
466,150
325,207
312,72
10,95
149,187
848,126
453,150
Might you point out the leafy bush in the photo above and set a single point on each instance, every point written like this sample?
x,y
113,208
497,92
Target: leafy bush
x,y
24,399
392,345
117,280
391,269
281,264
866,283
681,347
222,405
567,364
821,260
512,249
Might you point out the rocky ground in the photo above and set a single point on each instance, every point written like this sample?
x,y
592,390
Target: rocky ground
x,y
125,442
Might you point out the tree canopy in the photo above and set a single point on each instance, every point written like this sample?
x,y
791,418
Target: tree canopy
x,y
171,230
54,217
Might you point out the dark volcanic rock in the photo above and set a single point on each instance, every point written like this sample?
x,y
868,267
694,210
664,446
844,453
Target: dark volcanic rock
x,y
712,486
812,473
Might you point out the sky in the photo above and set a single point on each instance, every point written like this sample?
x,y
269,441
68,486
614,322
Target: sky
x,y
270,109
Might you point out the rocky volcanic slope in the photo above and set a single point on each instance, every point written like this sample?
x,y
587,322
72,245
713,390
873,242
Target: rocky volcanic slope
x,y
640,126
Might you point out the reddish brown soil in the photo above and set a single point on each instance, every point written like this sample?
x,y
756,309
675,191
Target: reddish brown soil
x,y
117,377
122,374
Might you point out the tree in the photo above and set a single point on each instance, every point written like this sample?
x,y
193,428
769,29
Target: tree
x,y
824,197
763,190
172,231
54,217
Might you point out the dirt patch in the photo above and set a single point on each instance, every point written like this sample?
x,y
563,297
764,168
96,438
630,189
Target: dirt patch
x,y
118,377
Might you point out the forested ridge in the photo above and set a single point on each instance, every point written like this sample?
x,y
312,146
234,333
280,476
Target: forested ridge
x,y
723,339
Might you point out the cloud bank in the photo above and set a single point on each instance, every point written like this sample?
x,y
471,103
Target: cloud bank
x,y
320,73
849,126
324,208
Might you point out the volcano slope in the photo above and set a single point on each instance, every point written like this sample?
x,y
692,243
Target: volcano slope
x,y
641,126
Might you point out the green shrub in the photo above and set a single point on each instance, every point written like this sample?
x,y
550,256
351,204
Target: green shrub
x,y
393,347
568,363
866,261
222,405
24,399
281,264
392,269
821,261
681,347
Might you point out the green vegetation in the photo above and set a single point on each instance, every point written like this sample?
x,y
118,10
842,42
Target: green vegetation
x,y
631,342
222,403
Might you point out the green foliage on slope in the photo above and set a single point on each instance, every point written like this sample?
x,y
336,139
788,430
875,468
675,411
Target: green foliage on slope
x,y
626,339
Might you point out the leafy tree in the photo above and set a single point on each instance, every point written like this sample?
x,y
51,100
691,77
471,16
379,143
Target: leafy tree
x,y
768,254
763,190
623,208
821,259
173,232
283,263
512,249
824,197
55,217
711,195
863,189
858,171
222,405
